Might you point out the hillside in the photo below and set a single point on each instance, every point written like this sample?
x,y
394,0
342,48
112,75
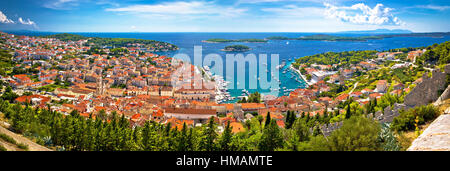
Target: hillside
x,y
21,143
116,42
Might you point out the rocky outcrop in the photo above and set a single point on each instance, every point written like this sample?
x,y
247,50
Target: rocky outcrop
x,y
445,95
428,90
435,138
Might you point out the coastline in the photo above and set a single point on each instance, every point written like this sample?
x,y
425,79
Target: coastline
x,y
301,75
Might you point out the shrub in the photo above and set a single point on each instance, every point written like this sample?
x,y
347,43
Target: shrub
x,y
405,121
2,148
22,146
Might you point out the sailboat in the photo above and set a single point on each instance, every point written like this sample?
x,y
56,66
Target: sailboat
x,y
287,42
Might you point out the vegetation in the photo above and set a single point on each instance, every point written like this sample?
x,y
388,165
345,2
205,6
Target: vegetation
x,y
357,134
237,40
236,48
12,141
9,95
6,62
67,37
3,148
437,53
115,42
324,37
337,38
7,138
121,86
58,84
252,98
76,133
406,120
341,58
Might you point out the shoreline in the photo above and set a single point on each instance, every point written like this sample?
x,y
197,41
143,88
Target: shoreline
x,y
301,75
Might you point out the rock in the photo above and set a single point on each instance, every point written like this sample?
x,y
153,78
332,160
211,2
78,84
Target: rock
x,y
435,138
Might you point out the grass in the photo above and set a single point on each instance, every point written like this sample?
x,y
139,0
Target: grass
x,y
7,138
2,148
12,141
22,146
405,138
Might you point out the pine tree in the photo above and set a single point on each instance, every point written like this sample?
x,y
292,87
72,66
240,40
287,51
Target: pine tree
x,y
349,113
267,120
271,138
211,135
182,144
146,137
226,138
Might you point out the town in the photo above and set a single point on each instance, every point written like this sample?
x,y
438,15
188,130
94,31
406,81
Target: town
x,y
136,84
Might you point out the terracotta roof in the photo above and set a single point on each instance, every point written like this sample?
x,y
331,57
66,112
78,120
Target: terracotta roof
x,y
191,111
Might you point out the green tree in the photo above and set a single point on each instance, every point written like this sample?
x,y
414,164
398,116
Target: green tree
x,y
226,137
271,138
267,119
210,135
357,134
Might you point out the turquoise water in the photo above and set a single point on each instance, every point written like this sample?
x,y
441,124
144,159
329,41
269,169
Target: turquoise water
x,y
293,49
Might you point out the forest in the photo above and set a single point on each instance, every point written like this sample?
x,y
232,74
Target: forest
x,y
341,58
436,53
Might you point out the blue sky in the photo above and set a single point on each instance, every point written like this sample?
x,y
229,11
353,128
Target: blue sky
x,y
224,15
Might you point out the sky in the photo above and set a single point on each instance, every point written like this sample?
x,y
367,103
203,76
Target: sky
x,y
224,15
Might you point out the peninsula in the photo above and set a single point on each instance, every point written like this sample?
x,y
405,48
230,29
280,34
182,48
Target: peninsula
x,y
150,45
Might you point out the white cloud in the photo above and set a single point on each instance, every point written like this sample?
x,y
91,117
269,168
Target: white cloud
x,y
4,19
61,4
167,9
268,1
27,22
434,7
292,11
362,14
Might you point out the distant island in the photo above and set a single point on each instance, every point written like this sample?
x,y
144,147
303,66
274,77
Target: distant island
x,y
236,48
151,45
379,31
238,40
325,37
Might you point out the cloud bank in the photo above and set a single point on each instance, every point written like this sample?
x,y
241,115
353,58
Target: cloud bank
x,y
4,19
362,14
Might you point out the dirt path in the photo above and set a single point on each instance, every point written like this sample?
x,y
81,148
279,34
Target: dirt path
x,y
32,146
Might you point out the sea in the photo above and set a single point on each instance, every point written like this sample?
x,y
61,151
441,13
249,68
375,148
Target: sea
x,y
288,50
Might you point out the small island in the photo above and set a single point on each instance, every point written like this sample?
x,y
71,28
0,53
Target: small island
x,y
237,40
236,48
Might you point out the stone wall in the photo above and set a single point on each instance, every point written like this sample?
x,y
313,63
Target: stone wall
x,y
427,91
